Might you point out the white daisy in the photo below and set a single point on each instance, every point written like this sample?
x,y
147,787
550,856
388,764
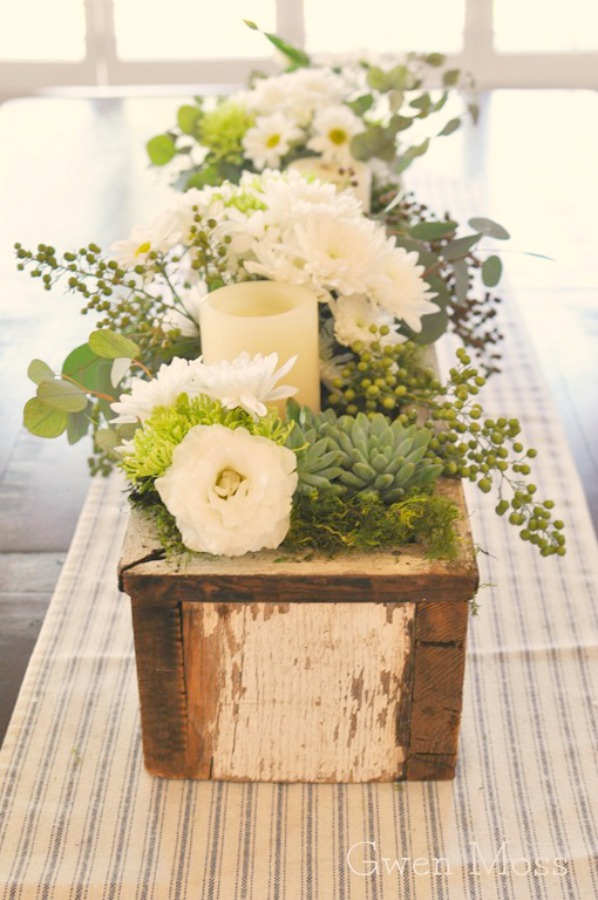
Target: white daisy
x,y
334,127
160,236
270,139
246,382
172,379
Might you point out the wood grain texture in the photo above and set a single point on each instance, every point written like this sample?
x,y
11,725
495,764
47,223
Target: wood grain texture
x,y
297,692
342,669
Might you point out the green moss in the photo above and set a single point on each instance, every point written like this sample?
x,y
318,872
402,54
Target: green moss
x,y
329,524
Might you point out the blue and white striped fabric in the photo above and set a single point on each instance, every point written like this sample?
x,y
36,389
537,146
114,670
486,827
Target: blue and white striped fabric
x,y
80,818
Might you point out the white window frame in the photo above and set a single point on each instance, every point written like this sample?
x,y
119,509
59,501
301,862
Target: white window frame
x,y
102,68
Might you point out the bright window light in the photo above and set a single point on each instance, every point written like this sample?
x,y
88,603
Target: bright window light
x,y
384,26
545,26
182,29
42,31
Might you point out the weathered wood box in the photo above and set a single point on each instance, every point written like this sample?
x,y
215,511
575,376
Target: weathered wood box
x,y
347,669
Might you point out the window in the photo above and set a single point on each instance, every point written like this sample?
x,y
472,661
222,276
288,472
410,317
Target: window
x,y
519,43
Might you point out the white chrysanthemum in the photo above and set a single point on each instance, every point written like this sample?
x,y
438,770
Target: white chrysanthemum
x,y
354,317
325,252
297,94
185,318
331,363
400,290
171,380
290,196
333,129
270,139
246,382
162,233
230,491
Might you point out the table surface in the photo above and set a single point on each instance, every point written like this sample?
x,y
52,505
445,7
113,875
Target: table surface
x,y
74,170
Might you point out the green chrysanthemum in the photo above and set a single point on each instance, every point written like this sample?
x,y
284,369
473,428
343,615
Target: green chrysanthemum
x,y
222,130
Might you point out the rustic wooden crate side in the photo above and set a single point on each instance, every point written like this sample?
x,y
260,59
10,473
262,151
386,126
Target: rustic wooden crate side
x,y
342,669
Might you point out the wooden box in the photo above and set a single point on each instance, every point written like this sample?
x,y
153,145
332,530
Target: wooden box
x,y
261,668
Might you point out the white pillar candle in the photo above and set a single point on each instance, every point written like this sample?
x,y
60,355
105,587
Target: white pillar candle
x,y
265,317
356,176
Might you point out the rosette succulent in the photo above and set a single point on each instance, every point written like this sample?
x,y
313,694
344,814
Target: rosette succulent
x,y
380,458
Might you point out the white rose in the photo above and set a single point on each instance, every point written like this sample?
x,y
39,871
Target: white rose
x,y
229,491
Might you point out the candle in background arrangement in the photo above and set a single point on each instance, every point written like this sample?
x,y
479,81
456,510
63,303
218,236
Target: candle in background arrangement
x,y
357,176
266,317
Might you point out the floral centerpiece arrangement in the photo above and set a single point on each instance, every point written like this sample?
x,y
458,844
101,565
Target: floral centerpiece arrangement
x,y
343,113
348,121
208,443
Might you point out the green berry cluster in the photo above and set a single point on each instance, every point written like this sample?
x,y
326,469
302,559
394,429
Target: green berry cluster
x,y
382,378
125,299
487,451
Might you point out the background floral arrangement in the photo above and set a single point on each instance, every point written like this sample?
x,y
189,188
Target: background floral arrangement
x,y
364,472
350,110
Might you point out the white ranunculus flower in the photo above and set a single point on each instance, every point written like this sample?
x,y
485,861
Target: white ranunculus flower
x,y
229,491
172,379
246,382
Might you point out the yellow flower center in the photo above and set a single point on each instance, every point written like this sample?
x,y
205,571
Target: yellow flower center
x,y
143,248
273,141
337,136
228,483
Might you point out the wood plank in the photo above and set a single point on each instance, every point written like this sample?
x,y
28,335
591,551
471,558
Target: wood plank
x,y
297,692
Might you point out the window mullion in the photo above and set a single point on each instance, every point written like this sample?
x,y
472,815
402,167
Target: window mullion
x,y
290,21
478,36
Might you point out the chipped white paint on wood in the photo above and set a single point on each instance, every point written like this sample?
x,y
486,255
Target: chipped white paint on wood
x,y
298,692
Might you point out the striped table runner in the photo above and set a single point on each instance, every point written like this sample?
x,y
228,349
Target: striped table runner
x,y
80,818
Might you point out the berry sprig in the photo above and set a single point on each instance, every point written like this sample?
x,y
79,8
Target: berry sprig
x,y
487,451
393,380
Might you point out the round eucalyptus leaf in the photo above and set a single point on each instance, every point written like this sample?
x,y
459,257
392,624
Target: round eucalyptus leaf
x,y
42,420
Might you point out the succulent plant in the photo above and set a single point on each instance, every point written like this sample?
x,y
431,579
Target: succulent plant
x,y
317,459
379,457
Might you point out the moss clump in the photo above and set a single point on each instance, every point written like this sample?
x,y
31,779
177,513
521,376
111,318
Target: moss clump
x,y
329,524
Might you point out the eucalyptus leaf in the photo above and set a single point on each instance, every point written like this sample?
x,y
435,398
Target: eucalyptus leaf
x,y
361,105
39,371
461,272
433,326
489,227
188,118
451,126
435,59
423,103
62,395
491,271
88,369
111,345
105,439
374,141
411,154
161,149
431,231
42,420
450,77
460,246
78,425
